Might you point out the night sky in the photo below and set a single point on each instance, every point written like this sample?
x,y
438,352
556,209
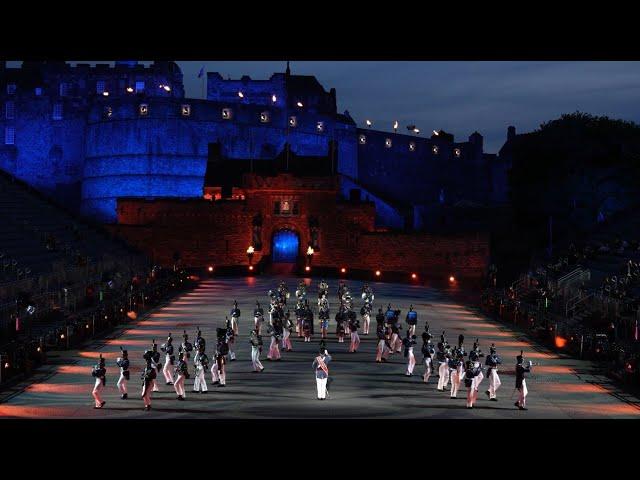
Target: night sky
x,y
459,97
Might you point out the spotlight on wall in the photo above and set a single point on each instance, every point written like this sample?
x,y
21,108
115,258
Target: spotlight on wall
x,y
395,126
414,276
210,269
378,273
307,268
343,270
368,122
452,279
105,94
274,99
436,133
251,267
241,95
299,104
167,88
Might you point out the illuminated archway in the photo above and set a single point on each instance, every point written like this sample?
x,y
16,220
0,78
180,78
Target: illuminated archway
x,y
285,246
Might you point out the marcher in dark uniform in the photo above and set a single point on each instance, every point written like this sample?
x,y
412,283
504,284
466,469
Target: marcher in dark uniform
x,y
99,372
287,330
443,366
354,324
412,320
218,372
169,359
470,373
256,349
428,352
200,343
381,350
323,314
300,312
380,317
340,323
492,362
521,383
182,373
409,342
123,363
201,363
258,317
153,356
231,338
235,318
149,375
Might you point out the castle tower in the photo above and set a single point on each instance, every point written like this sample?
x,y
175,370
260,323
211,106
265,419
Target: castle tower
x,y
511,133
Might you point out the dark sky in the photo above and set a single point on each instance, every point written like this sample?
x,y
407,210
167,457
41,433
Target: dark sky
x,y
459,97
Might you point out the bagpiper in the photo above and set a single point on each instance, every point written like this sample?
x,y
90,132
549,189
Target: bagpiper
x,y
201,362
99,372
353,324
123,363
365,312
307,323
185,347
258,316
412,320
182,373
235,317
148,376
521,383
256,349
301,291
492,362
323,289
323,315
169,359
340,321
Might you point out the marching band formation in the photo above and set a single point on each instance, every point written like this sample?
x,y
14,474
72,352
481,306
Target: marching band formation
x,y
452,367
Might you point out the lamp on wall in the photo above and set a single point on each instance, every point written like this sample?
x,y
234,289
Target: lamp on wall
x,y
310,253
250,252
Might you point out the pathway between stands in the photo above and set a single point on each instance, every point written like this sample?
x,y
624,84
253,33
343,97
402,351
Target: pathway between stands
x,y
361,388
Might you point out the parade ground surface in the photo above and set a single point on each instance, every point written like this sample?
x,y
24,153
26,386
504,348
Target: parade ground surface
x,y
559,387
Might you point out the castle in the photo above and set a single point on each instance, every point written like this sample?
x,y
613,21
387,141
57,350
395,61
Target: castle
x,y
89,135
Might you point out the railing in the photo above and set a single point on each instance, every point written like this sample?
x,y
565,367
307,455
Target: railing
x,y
573,303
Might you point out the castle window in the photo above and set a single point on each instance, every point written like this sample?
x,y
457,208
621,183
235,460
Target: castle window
x,y
9,135
57,111
320,127
11,89
226,113
100,87
293,121
64,89
434,149
387,143
276,208
412,147
143,109
108,112
10,110
185,110
362,139
264,117
139,87
38,91
456,152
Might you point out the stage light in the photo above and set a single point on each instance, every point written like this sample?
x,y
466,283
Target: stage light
x,y
86,326
307,268
377,273
395,126
132,315
241,95
436,133
6,365
31,309
38,349
368,122
62,336
452,279
105,94
561,342
299,104
210,269
414,276
130,89
167,88
250,267
343,270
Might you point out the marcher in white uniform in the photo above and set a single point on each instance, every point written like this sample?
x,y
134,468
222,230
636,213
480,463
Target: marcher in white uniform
x,y
169,359
123,363
322,372
99,372
456,366
492,362
148,377
201,362
181,373
409,343
256,349
442,358
469,375
521,383
258,317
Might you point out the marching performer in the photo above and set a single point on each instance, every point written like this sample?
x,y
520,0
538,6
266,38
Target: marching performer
x,y
469,376
181,373
218,373
99,372
231,338
283,292
323,289
275,330
521,383
258,317
460,340
169,359
301,291
149,375
153,356
185,347
300,312
201,362
123,363
443,367
322,372
256,349
354,324
456,366
474,356
235,317
381,350
412,320
380,317
287,330
200,342
396,341
428,353
307,323
492,363
323,314
341,318
365,311
409,342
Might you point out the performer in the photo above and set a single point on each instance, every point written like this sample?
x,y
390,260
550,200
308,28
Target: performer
x,y
443,367
469,376
123,363
181,373
322,372
365,311
218,373
367,294
409,342
323,314
231,338
283,293
354,324
396,341
492,362
258,317
457,368
153,357
301,291
235,317
287,330
460,340
200,342
201,362
276,333
99,372
521,383
428,353
412,320
380,317
148,381
256,349
309,313
307,323
340,321
185,347
474,355
323,289
300,312
381,350
169,359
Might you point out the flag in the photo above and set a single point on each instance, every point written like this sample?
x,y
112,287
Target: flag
x,y
201,72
